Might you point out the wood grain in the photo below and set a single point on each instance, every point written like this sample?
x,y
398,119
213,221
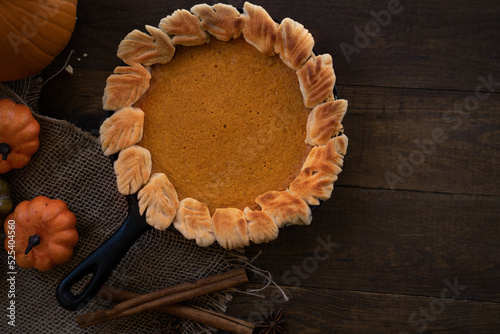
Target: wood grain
x,y
422,46
319,311
392,242
398,138
415,140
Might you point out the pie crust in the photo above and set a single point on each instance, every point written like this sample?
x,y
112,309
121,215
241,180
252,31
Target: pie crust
x,y
158,199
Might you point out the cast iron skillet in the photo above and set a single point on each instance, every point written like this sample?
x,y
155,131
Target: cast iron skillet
x,y
104,259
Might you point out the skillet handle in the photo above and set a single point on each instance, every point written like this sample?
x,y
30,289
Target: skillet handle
x,y
102,261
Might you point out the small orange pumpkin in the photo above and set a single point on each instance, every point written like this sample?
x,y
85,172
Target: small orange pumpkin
x,y
18,135
32,34
41,233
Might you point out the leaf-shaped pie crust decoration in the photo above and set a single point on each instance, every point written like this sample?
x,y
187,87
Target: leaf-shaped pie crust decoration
x,y
125,86
132,169
261,227
121,130
193,221
285,208
294,43
230,227
220,20
328,158
259,28
325,122
158,199
185,28
316,80
320,170
313,186
139,47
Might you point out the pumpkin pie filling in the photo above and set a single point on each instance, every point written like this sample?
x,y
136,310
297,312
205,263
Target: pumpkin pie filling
x,y
225,123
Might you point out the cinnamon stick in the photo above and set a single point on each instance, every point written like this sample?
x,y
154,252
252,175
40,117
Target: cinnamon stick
x,y
209,318
167,296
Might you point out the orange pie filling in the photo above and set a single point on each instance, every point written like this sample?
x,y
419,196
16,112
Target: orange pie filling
x,y
225,124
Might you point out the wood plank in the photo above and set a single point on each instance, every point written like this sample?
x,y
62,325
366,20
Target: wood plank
x,y
413,139
411,49
423,45
398,138
391,242
333,311
393,133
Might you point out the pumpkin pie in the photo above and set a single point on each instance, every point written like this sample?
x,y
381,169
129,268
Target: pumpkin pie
x,y
225,124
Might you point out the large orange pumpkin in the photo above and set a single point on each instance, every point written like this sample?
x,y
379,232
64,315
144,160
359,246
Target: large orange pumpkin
x,y
32,34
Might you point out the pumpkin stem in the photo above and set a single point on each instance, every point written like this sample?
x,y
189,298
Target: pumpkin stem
x,y
4,150
33,241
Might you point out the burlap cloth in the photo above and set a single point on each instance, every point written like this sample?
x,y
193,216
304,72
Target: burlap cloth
x,y
69,165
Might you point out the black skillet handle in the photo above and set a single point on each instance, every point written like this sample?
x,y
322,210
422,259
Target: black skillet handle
x,y
102,261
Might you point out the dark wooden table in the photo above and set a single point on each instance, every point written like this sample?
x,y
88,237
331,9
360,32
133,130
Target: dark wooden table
x,y
409,241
